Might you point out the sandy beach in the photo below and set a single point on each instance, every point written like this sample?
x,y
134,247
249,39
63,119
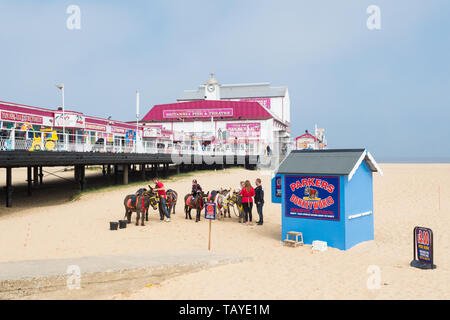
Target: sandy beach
x,y
406,196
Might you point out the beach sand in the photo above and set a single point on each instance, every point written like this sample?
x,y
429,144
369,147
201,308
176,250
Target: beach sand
x,y
406,196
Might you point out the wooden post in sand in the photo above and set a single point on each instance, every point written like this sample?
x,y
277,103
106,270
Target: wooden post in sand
x,y
209,241
210,214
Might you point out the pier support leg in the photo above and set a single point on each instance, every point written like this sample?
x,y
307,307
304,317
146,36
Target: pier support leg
x,y
76,174
8,188
41,175
103,170
35,176
82,174
29,181
178,169
143,177
108,169
116,174
125,174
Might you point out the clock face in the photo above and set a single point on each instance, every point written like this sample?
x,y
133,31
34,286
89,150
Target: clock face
x,y
211,88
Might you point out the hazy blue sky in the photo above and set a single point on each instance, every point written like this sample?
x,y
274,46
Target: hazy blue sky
x,y
388,89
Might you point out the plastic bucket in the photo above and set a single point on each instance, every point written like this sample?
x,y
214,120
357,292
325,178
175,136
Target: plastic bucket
x,y
113,225
123,224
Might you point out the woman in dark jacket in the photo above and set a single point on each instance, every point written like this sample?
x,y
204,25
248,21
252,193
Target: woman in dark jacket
x,y
247,194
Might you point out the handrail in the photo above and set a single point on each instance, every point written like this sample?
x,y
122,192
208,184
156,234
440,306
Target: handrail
x,y
11,139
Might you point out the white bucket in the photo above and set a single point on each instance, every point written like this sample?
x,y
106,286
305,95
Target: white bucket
x,y
318,245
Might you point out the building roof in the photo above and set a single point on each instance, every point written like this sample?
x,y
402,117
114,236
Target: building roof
x,y
237,91
240,110
307,135
337,161
14,107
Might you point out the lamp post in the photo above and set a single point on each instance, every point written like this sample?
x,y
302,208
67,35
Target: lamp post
x,y
61,87
137,119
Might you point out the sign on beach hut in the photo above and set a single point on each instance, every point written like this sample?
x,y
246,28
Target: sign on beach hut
x,y
276,189
327,195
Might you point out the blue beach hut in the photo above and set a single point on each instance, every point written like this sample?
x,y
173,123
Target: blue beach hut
x,y
327,195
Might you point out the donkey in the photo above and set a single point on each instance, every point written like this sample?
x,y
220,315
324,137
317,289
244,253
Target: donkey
x,y
171,202
197,202
311,193
139,203
235,198
221,202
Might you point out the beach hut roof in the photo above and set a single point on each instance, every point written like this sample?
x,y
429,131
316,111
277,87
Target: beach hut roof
x,y
330,161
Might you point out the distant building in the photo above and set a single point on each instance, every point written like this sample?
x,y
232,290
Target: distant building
x,y
252,115
311,142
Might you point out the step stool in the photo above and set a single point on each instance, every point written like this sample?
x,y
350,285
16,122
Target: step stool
x,y
292,239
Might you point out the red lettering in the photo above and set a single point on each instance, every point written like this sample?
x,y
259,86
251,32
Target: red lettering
x,y
299,185
330,200
330,188
292,187
293,198
423,237
318,182
321,204
304,182
311,181
324,185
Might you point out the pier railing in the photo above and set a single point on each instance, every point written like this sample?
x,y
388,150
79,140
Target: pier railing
x,y
38,141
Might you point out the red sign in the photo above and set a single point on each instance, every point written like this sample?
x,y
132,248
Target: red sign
x,y
210,210
265,102
118,130
19,117
242,129
95,127
198,113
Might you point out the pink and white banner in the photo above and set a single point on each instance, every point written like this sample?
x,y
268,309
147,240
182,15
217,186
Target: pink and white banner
x,y
198,113
19,117
241,129
95,127
69,120
265,102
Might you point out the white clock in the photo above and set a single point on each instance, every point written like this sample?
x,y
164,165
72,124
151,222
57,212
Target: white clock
x,y
211,88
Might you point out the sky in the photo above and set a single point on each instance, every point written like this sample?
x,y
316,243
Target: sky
x,y
387,90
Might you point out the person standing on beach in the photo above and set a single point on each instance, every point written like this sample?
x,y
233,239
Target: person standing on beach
x,y
247,194
241,186
259,200
159,186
